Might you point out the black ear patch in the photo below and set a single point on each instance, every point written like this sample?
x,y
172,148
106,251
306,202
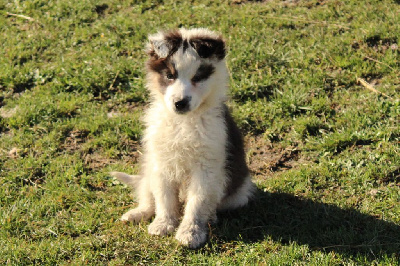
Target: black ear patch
x,y
207,47
174,39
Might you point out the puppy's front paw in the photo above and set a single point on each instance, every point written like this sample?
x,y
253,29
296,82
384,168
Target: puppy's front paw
x,y
191,235
162,226
137,215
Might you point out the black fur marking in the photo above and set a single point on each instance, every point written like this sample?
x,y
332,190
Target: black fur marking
x,y
236,166
185,45
207,47
203,73
174,39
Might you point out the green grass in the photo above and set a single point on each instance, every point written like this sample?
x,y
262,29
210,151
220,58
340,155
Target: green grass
x,y
325,151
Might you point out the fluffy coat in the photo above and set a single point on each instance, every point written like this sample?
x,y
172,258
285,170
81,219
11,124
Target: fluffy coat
x,y
193,162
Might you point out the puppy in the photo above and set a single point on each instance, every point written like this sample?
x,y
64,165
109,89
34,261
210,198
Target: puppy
x,y
194,161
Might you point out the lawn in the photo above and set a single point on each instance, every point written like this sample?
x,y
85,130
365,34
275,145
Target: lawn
x,y
323,147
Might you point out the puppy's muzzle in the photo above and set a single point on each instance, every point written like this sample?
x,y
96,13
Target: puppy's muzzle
x,y
183,106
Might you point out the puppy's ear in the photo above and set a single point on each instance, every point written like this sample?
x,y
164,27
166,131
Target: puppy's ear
x,y
209,47
162,45
157,46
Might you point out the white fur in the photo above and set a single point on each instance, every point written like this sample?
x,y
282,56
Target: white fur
x,y
184,155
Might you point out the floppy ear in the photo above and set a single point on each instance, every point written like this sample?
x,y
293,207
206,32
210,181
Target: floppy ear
x,y
158,46
208,47
165,44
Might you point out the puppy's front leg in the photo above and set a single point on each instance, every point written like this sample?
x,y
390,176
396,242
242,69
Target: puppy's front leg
x,y
205,192
167,210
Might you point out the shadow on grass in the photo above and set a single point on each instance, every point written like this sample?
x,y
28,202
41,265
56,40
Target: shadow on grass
x,y
286,218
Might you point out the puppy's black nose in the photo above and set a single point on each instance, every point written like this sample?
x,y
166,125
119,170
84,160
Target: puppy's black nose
x,y
182,106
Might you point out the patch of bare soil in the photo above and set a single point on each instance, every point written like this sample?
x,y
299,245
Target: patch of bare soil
x,y
74,140
97,159
7,113
266,158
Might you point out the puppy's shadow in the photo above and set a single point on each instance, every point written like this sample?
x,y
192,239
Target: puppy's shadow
x,y
286,218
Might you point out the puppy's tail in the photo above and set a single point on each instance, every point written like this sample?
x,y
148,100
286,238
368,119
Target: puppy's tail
x,y
130,180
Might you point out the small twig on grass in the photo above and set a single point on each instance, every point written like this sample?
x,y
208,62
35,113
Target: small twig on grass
x,y
26,18
124,207
369,87
51,231
376,61
115,78
21,16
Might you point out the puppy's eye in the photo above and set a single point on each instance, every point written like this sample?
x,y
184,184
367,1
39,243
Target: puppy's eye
x,y
170,76
196,78
203,73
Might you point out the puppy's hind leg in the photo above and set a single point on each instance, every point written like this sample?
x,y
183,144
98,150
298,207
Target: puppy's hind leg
x,y
240,198
145,209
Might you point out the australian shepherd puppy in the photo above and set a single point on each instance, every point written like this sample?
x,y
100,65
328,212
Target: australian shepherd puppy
x,y
193,161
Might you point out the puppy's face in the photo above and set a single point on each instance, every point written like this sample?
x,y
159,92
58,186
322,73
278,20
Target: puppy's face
x,y
185,67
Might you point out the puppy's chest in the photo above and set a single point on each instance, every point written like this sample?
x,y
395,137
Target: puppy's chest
x,y
181,141
185,139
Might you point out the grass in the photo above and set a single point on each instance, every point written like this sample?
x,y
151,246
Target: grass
x,y
324,150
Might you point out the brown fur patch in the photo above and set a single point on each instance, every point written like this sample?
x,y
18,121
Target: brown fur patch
x,y
156,64
162,68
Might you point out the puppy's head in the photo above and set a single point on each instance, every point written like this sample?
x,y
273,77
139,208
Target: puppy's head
x,y
186,68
